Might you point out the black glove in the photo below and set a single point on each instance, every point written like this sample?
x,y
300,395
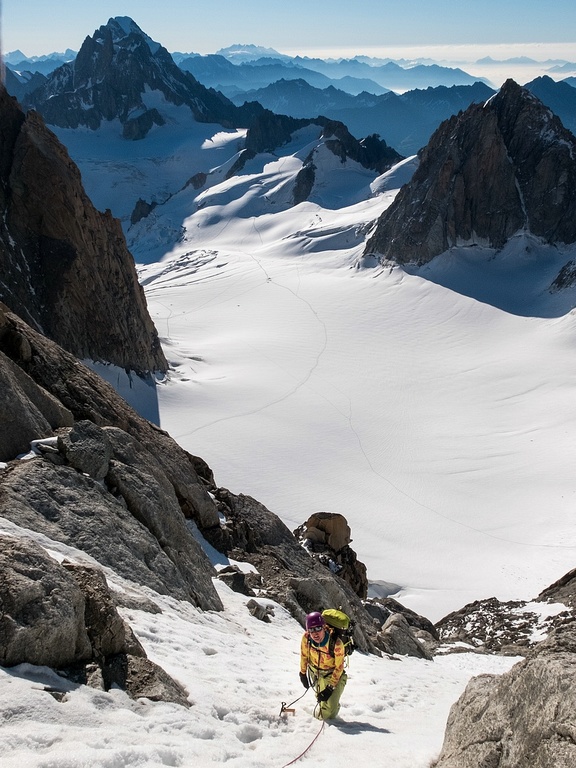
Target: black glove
x,y
304,680
325,694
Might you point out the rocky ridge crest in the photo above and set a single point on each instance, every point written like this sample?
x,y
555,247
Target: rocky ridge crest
x,y
483,177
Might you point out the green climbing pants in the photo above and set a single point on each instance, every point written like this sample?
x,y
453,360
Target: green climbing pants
x,y
327,710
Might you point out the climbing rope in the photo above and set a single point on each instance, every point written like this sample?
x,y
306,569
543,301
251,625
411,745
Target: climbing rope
x,y
301,755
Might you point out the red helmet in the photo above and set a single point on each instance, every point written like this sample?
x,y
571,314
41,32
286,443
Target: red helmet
x,y
314,619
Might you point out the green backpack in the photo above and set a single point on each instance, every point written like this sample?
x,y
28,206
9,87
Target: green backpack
x,y
342,627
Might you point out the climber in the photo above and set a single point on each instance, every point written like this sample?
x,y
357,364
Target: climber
x,y
322,666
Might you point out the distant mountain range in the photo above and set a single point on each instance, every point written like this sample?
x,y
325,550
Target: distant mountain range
x,y
401,101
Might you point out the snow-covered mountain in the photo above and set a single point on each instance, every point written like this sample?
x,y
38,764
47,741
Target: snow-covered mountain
x,y
121,73
17,61
432,406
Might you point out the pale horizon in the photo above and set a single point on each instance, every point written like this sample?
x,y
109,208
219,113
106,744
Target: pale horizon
x,y
444,28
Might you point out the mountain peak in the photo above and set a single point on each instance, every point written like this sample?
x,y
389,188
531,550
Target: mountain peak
x,y
113,77
482,178
122,27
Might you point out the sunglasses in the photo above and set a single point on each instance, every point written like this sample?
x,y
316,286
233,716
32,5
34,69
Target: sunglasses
x,y
315,629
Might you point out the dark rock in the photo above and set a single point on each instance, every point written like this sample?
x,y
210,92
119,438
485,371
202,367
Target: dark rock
x,y
236,580
269,130
136,128
481,179
141,210
141,678
562,591
66,269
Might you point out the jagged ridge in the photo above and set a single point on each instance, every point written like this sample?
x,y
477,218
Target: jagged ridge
x,y
484,176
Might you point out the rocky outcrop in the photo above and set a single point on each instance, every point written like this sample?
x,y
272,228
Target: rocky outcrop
x,y
522,719
396,636
484,176
371,153
286,571
509,628
66,269
150,486
326,536
63,616
562,591
269,130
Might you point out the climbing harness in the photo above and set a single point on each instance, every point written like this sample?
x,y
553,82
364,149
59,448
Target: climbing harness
x,y
301,755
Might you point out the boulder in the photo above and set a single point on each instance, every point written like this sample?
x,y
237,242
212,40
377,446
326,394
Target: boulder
x,y
105,627
326,536
141,678
41,609
396,636
87,448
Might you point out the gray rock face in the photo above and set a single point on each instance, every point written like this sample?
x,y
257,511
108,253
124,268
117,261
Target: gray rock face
x,y
484,175
87,397
87,449
42,609
134,521
73,508
107,632
66,269
522,719
27,411
63,616
397,637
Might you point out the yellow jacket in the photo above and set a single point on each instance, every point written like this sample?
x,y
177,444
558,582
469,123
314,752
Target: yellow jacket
x,y
317,658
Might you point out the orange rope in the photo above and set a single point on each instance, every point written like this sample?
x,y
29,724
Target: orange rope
x,y
301,755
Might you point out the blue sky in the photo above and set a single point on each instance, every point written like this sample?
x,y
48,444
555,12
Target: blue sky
x,y
306,26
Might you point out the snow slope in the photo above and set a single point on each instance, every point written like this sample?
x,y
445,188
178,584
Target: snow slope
x,y
238,671
434,410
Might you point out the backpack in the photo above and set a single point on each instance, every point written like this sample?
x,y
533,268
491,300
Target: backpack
x,y
342,627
